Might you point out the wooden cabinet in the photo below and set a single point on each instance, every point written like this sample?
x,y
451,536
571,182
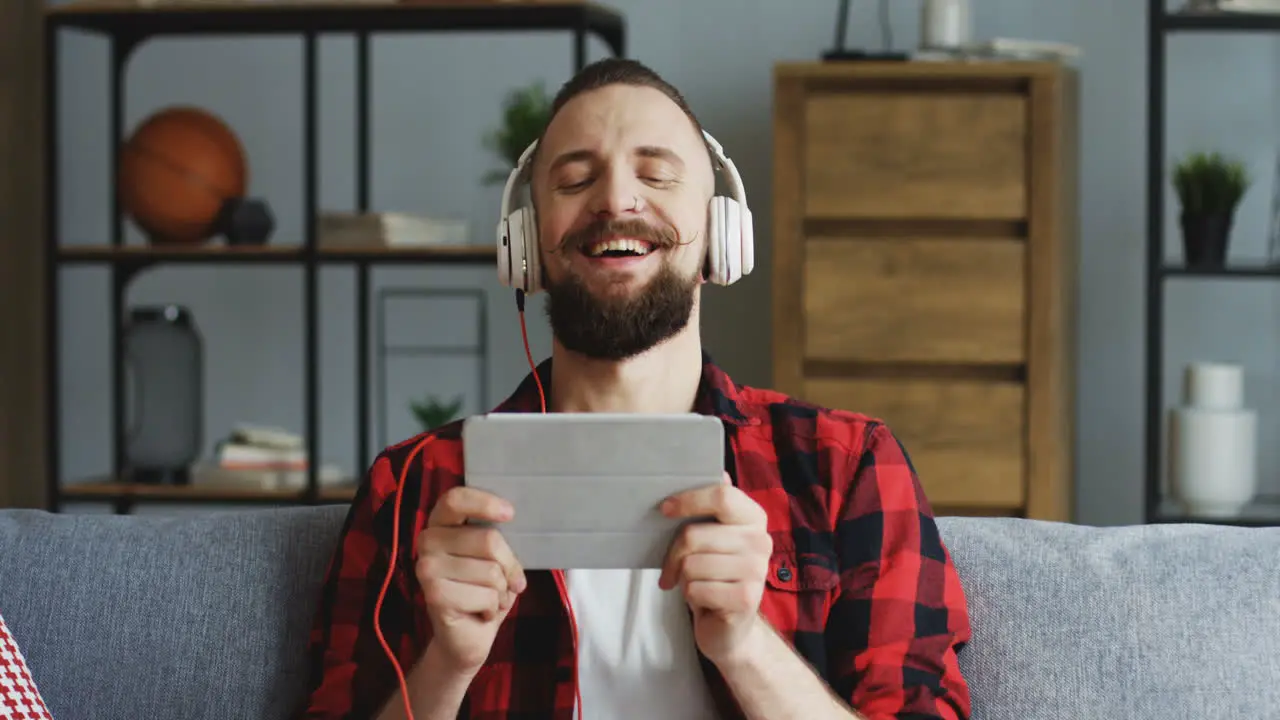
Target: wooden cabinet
x,y
924,247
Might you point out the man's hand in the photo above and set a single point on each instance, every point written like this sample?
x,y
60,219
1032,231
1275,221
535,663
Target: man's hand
x,y
720,566
469,576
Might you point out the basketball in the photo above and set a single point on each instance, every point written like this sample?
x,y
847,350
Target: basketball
x,y
175,172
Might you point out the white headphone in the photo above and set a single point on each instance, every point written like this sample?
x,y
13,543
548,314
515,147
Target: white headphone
x,y
730,240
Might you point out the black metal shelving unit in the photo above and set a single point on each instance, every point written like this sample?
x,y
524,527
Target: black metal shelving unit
x,y
1161,23
126,28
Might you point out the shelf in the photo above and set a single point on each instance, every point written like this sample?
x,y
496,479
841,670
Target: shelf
x,y
124,18
1263,513
1245,270
1162,22
1220,22
439,255
132,492
219,254
125,25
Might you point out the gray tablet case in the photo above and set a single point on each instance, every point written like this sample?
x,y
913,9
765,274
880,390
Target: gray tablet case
x,y
586,486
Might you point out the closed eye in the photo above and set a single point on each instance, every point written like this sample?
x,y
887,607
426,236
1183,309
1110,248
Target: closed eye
x,y
569,187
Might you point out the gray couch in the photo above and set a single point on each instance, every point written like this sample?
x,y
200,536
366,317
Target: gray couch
x,y
206,616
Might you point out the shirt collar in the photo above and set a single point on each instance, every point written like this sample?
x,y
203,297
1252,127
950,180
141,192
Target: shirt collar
x,y
718,394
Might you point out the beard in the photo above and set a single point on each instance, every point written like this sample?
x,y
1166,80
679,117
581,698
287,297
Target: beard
x,y
618,328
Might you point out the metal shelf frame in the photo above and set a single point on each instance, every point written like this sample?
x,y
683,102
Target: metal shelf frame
x,y
126,29
1161,24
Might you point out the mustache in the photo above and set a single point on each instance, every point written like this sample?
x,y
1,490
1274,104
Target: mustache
x,y
629,227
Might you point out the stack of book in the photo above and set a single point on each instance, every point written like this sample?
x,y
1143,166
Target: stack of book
x,y
350,231
263,458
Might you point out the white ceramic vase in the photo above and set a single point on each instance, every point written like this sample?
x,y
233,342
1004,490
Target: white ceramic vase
x,y
1213,443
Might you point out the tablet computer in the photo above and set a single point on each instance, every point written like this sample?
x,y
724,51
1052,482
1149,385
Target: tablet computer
x,y
586,486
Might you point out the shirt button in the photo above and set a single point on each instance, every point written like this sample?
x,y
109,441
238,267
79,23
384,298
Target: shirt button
x,y
784,574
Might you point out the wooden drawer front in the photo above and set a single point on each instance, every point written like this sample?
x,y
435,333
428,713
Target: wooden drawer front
x,y
914,300
901,155
965,437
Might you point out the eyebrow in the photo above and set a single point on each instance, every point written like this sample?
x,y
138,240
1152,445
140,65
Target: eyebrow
x,y
660,153
644,151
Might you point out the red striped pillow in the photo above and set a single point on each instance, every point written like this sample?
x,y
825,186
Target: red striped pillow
x,y
19,698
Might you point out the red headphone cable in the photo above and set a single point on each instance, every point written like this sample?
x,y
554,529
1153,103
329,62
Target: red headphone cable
x,y
395,535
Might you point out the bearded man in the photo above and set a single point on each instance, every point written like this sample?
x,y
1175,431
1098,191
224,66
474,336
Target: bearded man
x,y
822,588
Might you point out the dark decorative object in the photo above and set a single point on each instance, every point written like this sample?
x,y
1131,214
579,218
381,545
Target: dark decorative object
x,y
164,360
245,221
839,53
1204,239
1209,188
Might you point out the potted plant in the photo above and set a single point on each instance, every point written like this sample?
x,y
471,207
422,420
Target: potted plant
x,y
1209,188
432,413
525,114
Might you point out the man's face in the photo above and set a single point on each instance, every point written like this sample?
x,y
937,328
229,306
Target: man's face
x,y
621,186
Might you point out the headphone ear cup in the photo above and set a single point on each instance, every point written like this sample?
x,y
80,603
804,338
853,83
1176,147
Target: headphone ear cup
x,y
505,252
529,250
726,240
512,270
732,241
715,240
748,233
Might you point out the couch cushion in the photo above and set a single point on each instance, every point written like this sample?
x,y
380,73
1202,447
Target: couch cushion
x,y
164,617
1142,623
207,615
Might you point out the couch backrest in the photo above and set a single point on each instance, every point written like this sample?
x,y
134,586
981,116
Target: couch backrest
x,y
196,616
1145,623
207,615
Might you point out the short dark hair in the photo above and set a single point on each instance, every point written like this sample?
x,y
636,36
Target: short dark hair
x,y
615,71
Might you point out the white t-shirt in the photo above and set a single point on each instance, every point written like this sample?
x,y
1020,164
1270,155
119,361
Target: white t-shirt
x,y
636,652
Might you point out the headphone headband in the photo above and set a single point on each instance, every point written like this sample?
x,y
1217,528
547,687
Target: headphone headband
x,y
517,174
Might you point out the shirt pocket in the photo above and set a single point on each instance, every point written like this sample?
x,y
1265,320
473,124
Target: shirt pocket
x,y
791,571
799,590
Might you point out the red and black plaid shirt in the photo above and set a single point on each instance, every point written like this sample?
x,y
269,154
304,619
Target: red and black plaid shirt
x,y
860,582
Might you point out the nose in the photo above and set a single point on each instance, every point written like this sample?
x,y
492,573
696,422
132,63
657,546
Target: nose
x,y
616,194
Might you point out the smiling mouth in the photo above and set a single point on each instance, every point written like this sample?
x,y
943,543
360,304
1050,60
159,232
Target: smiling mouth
x,y
618,248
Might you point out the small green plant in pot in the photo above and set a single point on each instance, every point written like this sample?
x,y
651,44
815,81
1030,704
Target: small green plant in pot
x,y
1209,188
432,413
525,114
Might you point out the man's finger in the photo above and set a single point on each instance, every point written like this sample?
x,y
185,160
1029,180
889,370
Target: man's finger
x,y
461,504
711,539
717,568
488,544
720,596
480,543
466,570
469,599
725,503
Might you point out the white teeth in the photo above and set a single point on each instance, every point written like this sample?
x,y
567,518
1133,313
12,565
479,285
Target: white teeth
x,y
638,247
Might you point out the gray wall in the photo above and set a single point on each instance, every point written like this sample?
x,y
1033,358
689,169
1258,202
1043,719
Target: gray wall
x,y
427,157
